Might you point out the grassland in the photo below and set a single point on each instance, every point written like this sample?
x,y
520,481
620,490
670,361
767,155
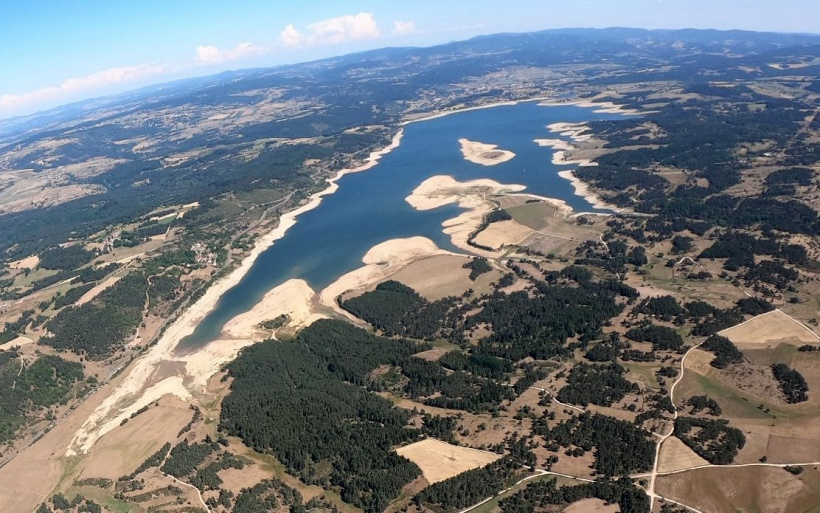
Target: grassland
x,y
439,460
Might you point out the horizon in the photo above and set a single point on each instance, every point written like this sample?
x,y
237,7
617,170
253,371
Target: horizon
x,y
64,53
174,80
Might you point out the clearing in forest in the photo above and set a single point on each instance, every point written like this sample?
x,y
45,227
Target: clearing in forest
x,y
770,328
439,460
675,455
592,506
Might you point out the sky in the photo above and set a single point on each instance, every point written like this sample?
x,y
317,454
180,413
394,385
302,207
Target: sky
x,y
57,51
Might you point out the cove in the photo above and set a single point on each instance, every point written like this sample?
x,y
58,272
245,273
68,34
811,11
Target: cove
x,y
369,207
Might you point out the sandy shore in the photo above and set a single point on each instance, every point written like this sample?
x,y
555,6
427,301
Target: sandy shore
x,y
582,189
600,107
142,383
544,101
555,144
484,154
442,190
561,157
435,115
379,262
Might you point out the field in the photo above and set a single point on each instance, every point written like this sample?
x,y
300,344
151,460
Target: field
x,y
552,231
439,460
497,235
747,490
750,398
591,506
443,275
675,455
121,451
771,328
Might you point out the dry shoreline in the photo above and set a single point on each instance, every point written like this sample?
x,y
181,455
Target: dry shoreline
x,y
380,261
544,101
484,154
561,150
144,369
142,383
441,190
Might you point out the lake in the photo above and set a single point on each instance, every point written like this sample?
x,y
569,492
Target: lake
x,y
369,207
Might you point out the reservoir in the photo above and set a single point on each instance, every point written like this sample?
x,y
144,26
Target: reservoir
x,y
369,207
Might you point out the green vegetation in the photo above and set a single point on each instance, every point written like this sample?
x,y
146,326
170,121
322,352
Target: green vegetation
x,y
396,309
619,447
275,323
72,295
24,390
269,495
596,384
97,328
470,487
661,337
477,267
726,353
65,258
184,458
792,383
302,401
713,440
704,402
540,495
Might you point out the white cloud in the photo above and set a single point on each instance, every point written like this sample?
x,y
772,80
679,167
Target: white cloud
x,y
290,37
403,28
334,31
206,55
77,86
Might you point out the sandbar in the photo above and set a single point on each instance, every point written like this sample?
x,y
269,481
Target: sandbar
x,y
600,107
484,154
582,189
441,190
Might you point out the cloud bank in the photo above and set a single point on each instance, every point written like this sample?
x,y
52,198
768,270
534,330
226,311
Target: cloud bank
x,y
403,28
329,32
206,55
344,29
78,86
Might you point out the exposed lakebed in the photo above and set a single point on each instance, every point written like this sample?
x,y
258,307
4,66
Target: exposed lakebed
x,y
369,207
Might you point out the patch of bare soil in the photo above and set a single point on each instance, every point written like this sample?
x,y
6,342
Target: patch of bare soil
x,y
754,379
592,506
439,460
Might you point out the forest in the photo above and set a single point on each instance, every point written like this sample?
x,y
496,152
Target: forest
x,y
596,384
540,495
298,400
726,353
792,383
25,389
471,487
96,329
713,439
619,446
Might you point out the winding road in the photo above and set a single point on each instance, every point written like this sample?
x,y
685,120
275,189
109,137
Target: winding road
x,y
650,491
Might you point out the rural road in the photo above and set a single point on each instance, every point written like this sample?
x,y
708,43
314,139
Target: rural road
x,y
650,491
653,476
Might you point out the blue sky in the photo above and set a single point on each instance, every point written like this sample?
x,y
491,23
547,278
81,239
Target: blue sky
x,y
56,51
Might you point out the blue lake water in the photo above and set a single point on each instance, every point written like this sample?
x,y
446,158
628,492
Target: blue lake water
x,y
369,207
